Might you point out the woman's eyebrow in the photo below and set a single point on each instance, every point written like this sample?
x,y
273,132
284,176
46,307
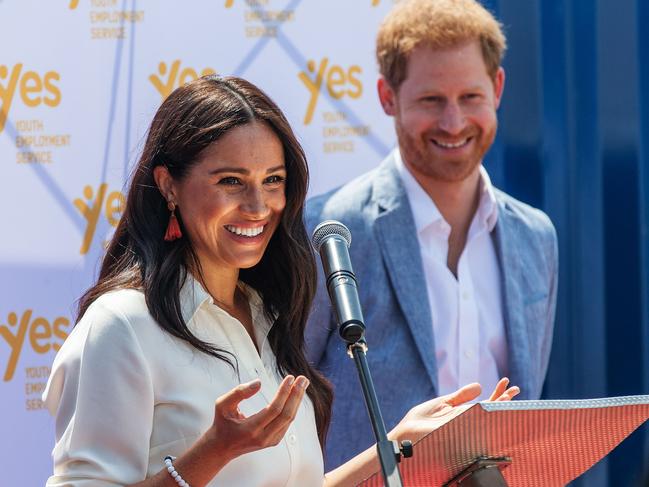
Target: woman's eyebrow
x,y
240,170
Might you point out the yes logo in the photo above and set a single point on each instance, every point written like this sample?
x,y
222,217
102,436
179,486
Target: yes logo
x,y
229,3
40,332
33,88
95,3
175,77
338,83
113,208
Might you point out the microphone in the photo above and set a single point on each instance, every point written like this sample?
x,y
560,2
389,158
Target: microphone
x,y
331,239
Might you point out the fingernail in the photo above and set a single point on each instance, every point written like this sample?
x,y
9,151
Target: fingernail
x,y
303,382
254,384
290,380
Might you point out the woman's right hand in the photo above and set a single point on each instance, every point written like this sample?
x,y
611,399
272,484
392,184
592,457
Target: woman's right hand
x,y
232,434
236,434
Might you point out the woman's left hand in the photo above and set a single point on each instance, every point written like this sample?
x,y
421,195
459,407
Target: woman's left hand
x,y
502,392
430,415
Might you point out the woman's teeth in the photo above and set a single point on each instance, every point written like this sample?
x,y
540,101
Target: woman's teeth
x,y
246,232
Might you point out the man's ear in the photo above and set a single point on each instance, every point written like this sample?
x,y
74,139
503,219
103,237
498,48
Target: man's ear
x,y
499,85
165,183
387,96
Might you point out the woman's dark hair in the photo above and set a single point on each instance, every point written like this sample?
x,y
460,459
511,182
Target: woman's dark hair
x,y
188,121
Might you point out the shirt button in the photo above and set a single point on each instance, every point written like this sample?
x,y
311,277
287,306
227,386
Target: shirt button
x,y
465,295
292,439
468,354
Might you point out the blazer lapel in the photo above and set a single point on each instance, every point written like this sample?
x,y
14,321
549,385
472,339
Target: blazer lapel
x,y
506,240
396,235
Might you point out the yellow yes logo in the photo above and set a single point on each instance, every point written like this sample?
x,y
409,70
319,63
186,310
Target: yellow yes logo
x,y
338,82
229,3
40,331
91,210
33,88
175,77
96,3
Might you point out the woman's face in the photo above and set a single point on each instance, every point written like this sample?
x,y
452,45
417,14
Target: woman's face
x,y
232,199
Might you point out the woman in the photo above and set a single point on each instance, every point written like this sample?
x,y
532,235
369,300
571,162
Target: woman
x,y
186,366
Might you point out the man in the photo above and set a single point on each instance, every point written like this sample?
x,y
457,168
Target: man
x,y
457,279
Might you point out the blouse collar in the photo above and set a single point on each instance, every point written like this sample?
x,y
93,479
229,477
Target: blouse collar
x,y
193,296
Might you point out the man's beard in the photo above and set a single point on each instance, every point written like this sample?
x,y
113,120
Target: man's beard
x,y
420,156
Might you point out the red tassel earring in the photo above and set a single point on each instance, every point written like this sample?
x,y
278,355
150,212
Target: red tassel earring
x,y
173,228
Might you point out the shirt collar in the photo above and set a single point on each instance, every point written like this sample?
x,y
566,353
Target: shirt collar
x,y
488,205
424,210
193,295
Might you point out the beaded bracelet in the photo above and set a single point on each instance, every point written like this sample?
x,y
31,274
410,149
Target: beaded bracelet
x,y
172,471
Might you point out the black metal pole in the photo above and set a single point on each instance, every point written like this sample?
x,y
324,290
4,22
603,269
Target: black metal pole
x,y
387,450
331,239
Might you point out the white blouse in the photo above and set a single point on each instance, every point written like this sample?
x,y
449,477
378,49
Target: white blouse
x,y
125,394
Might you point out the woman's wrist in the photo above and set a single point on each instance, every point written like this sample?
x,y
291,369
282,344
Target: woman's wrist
x,y
169,465
212,445
397,433
203,461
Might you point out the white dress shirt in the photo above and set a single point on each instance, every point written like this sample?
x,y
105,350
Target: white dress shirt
x,y
125,394
466,312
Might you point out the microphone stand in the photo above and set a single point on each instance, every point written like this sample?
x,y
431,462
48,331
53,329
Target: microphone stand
x,y
331,240
389,451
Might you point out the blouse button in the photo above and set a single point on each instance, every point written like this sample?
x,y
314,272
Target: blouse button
x,y
292,439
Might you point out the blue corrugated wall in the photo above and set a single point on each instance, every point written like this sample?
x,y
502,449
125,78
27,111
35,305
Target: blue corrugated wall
x,y
574,140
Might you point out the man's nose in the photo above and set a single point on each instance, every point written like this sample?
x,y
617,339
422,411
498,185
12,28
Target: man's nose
x,y
452,119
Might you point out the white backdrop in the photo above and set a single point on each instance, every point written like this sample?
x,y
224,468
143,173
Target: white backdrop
x,y
79,83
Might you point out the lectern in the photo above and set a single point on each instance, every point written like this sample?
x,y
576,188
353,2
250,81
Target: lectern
x,y
520,443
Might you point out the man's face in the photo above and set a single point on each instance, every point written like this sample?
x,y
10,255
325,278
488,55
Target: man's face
x,y
444,111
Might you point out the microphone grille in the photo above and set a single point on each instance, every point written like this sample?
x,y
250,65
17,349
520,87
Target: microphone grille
x,y
328,228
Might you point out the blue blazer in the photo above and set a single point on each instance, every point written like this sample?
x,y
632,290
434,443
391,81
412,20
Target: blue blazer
x,y
392,288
